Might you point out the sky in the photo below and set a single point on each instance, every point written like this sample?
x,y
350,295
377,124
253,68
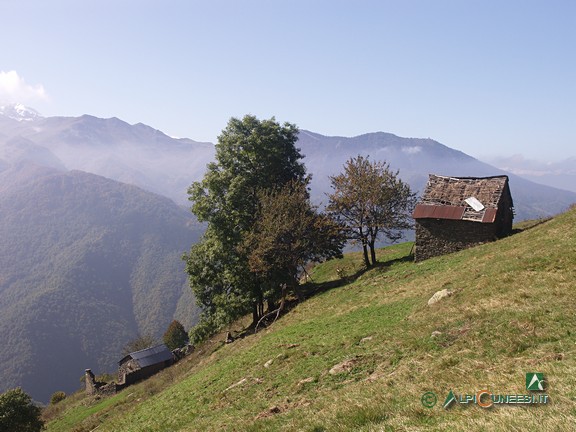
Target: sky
x,y
489,78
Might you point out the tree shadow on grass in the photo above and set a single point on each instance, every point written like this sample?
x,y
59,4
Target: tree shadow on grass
x,y
389,263
529,224
310,289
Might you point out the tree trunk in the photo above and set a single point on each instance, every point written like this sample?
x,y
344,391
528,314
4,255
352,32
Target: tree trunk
x,y
255,316
373,234
372,252
365,250
276,311
271,305
257,311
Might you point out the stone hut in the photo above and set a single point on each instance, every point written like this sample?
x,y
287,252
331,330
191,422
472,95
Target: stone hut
x,y
456,213
142,364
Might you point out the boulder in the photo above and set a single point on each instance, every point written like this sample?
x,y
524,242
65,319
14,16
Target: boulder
x,y
439,295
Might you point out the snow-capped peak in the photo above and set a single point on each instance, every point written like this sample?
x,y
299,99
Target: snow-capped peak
x,y
19,112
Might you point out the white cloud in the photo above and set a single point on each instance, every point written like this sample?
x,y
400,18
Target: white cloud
x,y
13,88
412,150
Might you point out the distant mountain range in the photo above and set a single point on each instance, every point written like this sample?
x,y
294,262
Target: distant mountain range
x,y
415,158
134,154
143,156
93,224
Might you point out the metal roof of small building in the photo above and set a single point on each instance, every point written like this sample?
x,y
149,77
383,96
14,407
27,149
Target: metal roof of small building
x,y
150,356
446,198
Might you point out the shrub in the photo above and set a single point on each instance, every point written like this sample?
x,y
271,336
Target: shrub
x,y
57,397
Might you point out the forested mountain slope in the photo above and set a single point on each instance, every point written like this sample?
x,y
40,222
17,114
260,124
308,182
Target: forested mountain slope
x,y
86,265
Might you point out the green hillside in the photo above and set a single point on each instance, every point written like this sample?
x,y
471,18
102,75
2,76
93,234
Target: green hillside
x,y
359,355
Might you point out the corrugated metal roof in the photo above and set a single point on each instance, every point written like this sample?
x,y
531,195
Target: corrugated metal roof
x,y
423,211
489,215
150,356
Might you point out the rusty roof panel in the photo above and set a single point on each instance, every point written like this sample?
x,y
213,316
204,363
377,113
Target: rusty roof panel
x,y
489,215
423,211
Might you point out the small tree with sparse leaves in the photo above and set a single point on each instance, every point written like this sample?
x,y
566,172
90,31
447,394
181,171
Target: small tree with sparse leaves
x,y
371,201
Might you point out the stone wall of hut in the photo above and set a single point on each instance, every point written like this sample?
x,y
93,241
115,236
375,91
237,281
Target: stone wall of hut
x,y
97,388
505,215
129,372
436,237
126,368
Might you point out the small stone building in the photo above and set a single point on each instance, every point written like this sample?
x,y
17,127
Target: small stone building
x,y
144,363
456,213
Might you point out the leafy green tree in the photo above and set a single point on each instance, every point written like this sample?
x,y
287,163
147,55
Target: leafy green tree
x,y
288,233
18,413
175,336
251,155
371,201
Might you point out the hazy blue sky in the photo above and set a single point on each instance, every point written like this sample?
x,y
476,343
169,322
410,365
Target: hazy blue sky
x,y
485,77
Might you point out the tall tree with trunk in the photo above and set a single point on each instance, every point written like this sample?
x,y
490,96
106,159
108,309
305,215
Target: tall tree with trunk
x,y
371,201
251,155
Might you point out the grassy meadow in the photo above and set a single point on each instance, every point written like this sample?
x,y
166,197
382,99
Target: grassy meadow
x,y
360,353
